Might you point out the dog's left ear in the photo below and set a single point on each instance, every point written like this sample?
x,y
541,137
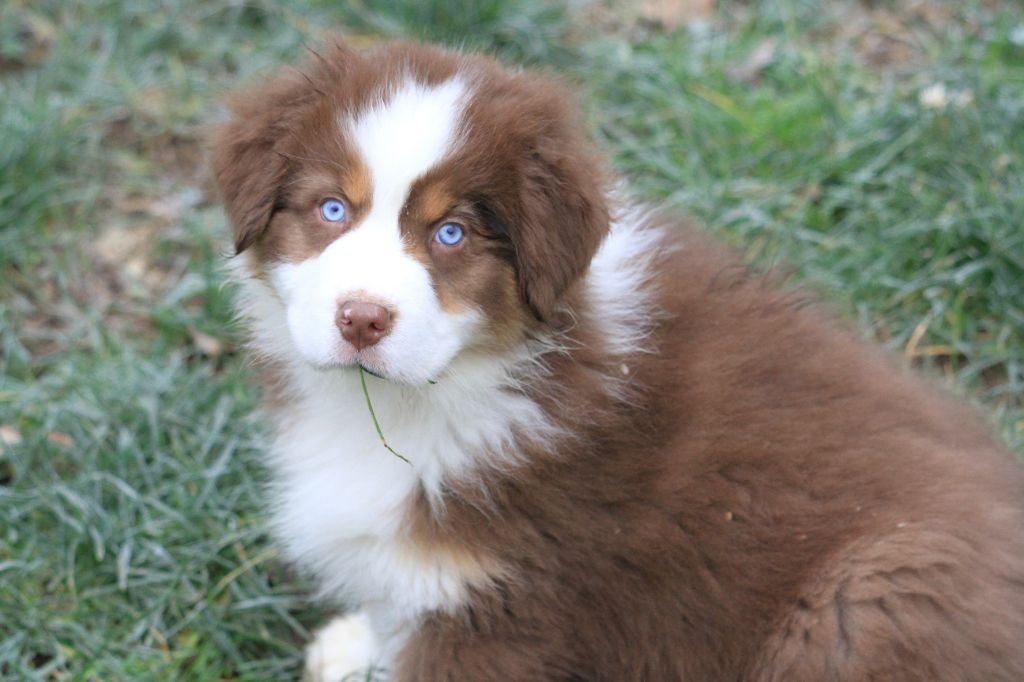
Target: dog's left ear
x,y
563,213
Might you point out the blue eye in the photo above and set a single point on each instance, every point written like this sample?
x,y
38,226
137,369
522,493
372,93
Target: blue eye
x,y
449,234
333,211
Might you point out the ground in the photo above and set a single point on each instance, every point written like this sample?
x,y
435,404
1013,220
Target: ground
x,y
876,150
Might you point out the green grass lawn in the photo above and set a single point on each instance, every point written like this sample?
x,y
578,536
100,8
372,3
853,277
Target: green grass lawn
x,y
876,153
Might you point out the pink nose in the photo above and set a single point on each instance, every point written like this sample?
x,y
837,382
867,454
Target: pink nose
x,y
362,323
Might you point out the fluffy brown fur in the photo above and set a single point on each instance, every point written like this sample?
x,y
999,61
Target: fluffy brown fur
x,y
762,498
774,502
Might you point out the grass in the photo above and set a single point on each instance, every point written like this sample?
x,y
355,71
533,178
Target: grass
x,y
131,495
373,417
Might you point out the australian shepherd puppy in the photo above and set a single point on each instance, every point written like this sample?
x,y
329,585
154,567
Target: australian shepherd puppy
x,y
612,453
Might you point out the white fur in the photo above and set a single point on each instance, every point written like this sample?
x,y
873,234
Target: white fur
x,y
404,136
340,497
618,283
401,137
345,649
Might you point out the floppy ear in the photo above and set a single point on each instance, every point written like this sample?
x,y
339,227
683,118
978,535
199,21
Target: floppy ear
x,y
563,212
564,219
247,163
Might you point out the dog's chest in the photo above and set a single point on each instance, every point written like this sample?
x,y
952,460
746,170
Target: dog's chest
x,y
342,513
343,502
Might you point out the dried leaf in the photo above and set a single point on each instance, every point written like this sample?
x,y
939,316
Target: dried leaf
x,y
934,96
751,68
671,14
61,440
30,40
208,345
9,435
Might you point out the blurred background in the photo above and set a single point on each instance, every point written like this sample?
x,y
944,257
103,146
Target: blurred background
x,y
874,149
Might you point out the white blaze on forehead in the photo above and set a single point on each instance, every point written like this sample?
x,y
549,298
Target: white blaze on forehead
x,y
404,136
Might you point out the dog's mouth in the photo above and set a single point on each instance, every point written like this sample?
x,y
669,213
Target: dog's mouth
x,y
363,366
381,376
349,366
370,371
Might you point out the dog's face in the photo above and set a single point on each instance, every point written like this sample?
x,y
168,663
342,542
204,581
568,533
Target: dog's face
x,y
407,205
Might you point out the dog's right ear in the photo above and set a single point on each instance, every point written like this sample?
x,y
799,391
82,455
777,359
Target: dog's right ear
x,y
247,161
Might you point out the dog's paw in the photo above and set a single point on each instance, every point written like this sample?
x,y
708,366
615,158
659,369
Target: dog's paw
x,y
343,651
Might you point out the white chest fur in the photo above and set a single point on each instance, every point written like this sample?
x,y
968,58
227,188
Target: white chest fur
x,y
342,500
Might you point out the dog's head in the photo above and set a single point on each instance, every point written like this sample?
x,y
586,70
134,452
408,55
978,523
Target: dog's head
x,y
407,204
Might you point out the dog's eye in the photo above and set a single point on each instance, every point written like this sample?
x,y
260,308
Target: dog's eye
x,y
449,234
332,210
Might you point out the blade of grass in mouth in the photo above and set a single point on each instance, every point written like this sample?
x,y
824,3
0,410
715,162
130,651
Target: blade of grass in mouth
x,y
373,416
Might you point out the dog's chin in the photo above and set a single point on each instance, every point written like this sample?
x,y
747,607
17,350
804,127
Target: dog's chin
x,y
371,372
353,365
373,369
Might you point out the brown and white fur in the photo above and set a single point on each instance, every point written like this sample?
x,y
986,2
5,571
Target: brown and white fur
x,y
630,459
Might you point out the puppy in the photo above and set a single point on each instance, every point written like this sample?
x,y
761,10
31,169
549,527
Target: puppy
x,y
611,452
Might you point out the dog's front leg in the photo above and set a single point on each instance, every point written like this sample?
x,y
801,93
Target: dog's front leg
x,y
345,650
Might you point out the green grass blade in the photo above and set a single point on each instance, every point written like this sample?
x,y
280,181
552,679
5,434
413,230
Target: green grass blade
x,y
373,416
